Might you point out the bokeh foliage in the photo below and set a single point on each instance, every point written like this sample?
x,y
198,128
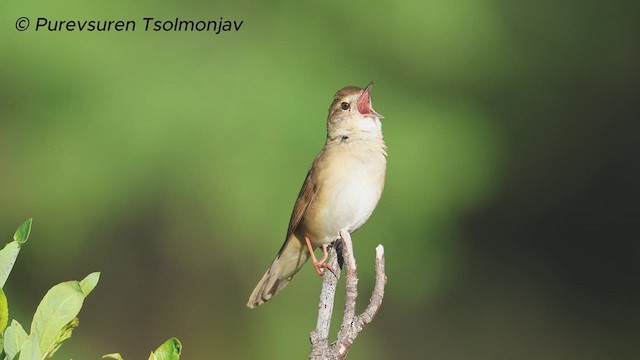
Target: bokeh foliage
x,y
171,161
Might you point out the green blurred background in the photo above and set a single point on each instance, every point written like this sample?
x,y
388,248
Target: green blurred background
x,y
170,162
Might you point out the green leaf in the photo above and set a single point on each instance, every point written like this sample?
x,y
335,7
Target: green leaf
x,y
89,283
8,257
60,305
65,334
4,311
14,337
22,234
170,350
113,356
31,348
10,252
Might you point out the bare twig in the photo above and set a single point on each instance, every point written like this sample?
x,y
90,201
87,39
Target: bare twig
x,y
320,335
351,324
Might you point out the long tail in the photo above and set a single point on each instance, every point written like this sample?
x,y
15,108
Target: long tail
x,y
290,258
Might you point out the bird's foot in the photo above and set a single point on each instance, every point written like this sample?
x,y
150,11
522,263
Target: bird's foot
x,y
319,265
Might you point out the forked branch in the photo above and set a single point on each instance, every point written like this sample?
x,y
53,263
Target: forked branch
x,y
352,324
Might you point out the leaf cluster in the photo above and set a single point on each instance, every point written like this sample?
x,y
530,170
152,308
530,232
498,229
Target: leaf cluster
x,y
56,316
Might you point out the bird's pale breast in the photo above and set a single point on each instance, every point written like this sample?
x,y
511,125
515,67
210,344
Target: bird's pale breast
x,y
351,182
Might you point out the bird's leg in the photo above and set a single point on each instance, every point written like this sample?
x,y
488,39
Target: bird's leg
x,y
325,255
318,265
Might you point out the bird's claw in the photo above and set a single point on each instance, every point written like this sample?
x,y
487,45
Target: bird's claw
x,y
320,266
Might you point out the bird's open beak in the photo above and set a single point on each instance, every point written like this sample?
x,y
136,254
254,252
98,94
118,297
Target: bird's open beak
x,y
364,103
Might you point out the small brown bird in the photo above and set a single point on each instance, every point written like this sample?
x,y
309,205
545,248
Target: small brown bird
x,y
341,190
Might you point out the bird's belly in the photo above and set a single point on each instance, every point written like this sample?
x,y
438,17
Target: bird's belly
x,y
353,204
351,201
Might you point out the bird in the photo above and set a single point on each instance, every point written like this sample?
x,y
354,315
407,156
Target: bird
x,y
340,192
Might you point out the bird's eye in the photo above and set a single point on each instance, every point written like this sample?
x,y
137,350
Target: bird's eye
x,y
345,106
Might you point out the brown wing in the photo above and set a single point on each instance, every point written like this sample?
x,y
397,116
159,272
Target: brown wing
x,y
305,197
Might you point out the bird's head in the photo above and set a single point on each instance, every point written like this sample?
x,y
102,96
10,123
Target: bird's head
x,y
351,112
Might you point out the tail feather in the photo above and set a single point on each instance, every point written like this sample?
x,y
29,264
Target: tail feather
x,y
287,263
